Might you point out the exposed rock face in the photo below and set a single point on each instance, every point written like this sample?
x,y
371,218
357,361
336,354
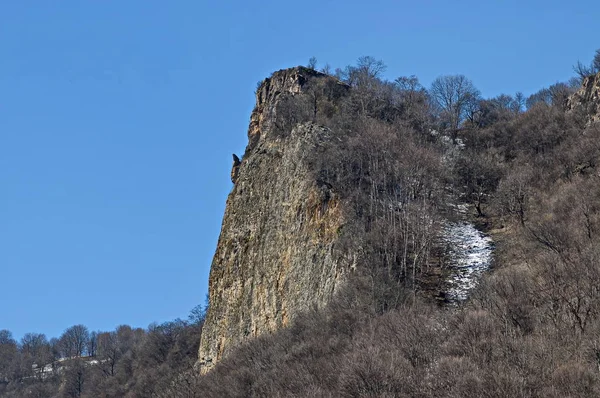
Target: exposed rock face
x,y
235,168
275,253
587,98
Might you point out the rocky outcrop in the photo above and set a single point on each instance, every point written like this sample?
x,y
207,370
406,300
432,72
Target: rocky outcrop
x,y
275,256
282,84
235,168
587,98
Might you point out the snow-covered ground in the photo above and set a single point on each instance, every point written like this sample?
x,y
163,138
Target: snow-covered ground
x,y
470,254
58,366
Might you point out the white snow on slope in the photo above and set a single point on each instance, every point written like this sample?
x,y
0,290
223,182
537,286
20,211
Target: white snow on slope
x,y
470,255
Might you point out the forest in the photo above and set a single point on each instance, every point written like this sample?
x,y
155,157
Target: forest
x,y
123,362
528,169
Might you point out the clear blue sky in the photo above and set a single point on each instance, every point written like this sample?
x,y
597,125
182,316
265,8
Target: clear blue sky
x,y
118,120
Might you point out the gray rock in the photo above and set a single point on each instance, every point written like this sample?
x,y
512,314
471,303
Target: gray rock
x,y
275,254
587,98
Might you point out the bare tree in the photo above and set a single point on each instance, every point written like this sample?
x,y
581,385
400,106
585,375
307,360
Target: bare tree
x,y
326,69
74,340
198,313
514,192
312,63
92,344
410,86
36,350
501,108
109,351
9,356
479,175
454,95
560,92
413,97
518,103
543,96
370,66
366,71
596,61
32,342
584,70
75,378
555,95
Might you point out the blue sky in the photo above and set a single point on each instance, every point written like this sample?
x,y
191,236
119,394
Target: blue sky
x,y
118,120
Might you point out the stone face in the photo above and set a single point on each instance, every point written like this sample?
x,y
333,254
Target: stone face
x,y
286,81
587,98
235,168
275,256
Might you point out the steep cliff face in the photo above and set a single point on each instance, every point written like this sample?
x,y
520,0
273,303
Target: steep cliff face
x,y
587,98
275,256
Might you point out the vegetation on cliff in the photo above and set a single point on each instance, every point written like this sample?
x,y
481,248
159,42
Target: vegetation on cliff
x,y
357,173
529,329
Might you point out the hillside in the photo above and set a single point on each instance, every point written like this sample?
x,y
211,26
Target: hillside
x,y
528,177
380,239
305,212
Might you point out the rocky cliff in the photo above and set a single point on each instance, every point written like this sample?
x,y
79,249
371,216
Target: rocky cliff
x,y
587,98
275,256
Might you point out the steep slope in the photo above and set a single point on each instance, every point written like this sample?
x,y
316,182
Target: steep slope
x,y
275,252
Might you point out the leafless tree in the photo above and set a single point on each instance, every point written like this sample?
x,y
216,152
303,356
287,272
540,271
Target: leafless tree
x,y
9,356
109,352
92,344
326,69
370,66
582,70
518,103
454,95
36,349
34,343
414,100
366,71
74,340
75,378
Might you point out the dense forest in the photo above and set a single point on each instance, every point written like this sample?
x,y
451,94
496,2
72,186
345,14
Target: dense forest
x,y
403,154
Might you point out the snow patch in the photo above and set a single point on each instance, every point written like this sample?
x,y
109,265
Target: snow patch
x,y
470,255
